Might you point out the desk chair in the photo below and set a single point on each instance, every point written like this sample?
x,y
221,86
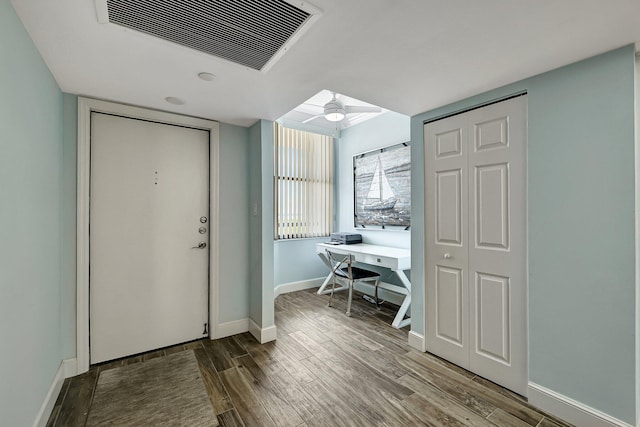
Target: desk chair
x,y
344,271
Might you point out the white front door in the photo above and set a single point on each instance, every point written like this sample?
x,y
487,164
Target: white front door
x,y
149,211
476,241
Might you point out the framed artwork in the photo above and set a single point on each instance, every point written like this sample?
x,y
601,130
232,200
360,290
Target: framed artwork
x,y
382,188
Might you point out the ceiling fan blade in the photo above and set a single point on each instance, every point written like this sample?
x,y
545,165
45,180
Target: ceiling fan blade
x,y
313,118
361,109
313,105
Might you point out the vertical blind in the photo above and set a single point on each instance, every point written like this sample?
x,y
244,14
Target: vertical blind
x,y
303,184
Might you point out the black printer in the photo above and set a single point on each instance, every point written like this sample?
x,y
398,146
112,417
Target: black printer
x,y
346,238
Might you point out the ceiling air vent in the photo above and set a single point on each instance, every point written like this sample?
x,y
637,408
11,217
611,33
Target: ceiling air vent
x,y
254,33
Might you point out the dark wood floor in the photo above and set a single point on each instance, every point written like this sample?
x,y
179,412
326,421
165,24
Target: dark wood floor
x,y
326,369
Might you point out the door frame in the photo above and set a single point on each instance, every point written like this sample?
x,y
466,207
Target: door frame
x,y
85,107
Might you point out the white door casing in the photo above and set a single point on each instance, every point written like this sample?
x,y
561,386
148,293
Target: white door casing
x,y
85,107
149,190
481,274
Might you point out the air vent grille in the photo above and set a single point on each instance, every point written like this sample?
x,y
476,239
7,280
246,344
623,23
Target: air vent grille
x,y
248,32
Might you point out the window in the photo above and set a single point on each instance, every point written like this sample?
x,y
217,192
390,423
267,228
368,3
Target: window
x,y
303,184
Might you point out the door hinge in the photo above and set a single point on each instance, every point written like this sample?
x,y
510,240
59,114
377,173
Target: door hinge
x,y
205,332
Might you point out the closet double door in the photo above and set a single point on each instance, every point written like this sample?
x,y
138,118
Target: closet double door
x,y
475,224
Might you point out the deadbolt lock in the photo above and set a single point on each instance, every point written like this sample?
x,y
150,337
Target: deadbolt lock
x,y
202,230
203,219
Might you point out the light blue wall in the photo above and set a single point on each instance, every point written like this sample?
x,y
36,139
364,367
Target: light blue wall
x,y
234,224
31,244
69,180
261,256
266,159
296,260
582,318
261,223
382,131
255,223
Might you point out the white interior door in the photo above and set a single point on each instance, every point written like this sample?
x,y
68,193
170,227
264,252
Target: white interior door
x,y
149,190
476,283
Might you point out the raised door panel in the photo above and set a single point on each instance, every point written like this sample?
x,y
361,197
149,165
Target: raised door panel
x,y
492,320
449,301
492,206
449,207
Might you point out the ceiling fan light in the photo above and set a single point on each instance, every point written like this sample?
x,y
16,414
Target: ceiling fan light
x,y
334,116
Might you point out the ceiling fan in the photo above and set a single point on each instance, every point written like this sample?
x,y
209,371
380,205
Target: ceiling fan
x,y
336,111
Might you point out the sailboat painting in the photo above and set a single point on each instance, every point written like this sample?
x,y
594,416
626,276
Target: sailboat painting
x,y
382,187
380,196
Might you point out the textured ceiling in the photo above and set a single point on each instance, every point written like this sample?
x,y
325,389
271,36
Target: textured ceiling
x,y
407,56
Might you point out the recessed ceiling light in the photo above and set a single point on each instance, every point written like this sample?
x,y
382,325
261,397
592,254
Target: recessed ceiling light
x,y
207,76
173,100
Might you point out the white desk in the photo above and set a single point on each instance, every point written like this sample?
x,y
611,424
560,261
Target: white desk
x,y
395,259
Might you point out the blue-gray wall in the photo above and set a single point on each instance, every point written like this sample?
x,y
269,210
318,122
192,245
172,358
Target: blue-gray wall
x,y
255,223
296,261
69,180
382,131
581,193
261,224
31,243
267,168
233,290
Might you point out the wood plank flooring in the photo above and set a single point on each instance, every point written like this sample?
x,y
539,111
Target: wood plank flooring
x,y
326,369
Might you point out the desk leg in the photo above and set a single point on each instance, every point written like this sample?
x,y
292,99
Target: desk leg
x,y
399,321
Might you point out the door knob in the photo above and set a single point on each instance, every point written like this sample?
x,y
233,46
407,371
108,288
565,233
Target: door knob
x,y
201,245
447,255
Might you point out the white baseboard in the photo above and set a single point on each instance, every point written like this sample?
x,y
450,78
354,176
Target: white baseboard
x,y
230,328
262,335
570,410
297,286
70,367
66,369
417,341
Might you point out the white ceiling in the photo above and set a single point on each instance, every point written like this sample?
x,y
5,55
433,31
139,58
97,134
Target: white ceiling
x,y
408,56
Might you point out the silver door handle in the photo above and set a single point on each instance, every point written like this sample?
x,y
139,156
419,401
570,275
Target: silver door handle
x,y
201,245
447,255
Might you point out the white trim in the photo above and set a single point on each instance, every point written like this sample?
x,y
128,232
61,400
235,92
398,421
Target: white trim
x,y
262,335
85,107
285,288
52,395
417,341
315,14
570,410
69,367
230,328
637,226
